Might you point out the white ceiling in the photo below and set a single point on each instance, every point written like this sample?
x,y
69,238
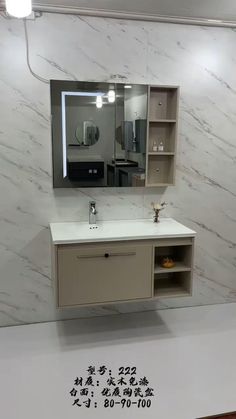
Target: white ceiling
x,y
208,9
224,10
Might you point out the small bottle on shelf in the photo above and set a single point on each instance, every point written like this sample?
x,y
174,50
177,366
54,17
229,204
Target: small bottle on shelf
x,y
154,147
160,146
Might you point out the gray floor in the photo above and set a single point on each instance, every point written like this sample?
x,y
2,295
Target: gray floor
x,y
187,355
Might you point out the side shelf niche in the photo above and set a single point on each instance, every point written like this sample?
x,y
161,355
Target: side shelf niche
x,y
162,128
175,281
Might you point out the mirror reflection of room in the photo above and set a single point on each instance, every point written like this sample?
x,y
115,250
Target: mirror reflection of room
x,y
99,134
90,131
131,133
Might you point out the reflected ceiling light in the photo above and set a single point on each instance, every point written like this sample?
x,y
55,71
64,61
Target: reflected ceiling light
x,y
19,8
99,102
111,96
128,86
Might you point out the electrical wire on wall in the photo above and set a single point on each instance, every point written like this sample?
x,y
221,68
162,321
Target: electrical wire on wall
x,y
43,80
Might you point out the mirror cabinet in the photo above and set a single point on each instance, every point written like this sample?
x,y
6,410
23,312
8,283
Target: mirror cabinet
x,y
113,134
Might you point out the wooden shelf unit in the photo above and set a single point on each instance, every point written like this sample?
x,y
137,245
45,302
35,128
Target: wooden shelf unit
x,y
162,127
175,281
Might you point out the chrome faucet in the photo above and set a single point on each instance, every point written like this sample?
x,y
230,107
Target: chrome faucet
x,y
92,212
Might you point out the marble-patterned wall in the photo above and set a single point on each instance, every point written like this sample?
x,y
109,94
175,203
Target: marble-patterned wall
x,y
202,61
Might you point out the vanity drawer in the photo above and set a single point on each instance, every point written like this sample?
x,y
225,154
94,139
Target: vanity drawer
x,y
97,274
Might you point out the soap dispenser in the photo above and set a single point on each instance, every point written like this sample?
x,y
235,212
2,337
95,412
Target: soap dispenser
x,y
154,147
161,146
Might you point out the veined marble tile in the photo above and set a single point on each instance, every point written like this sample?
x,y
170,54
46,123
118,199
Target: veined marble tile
x,y
201,61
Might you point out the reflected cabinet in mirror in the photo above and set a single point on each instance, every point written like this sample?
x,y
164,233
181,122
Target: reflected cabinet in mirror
x,y
113,134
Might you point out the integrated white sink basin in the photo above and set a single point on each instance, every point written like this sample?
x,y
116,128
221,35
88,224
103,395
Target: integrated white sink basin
x,y
82,232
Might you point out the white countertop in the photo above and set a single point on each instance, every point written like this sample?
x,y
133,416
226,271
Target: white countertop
x,y
82,232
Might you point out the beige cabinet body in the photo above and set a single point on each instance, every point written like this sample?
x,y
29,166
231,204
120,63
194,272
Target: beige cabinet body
x,y
110,272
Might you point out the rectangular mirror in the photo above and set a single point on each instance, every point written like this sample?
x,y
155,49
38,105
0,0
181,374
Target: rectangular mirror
x,y
99,133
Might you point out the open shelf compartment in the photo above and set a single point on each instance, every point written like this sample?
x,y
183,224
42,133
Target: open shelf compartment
x,y
160,132
172,284
181,255
163,103
160,169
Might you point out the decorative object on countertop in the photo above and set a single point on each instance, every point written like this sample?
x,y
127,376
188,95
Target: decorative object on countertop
x,y
167,262
157,208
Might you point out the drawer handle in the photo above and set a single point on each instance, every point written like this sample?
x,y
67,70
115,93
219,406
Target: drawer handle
x,y
106,255
122,254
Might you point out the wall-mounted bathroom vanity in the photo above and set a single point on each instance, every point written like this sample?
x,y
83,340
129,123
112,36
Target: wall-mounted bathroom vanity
x,y
113,134
120,261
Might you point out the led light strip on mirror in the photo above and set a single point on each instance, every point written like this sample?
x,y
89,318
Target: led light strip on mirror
x,y
63,119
